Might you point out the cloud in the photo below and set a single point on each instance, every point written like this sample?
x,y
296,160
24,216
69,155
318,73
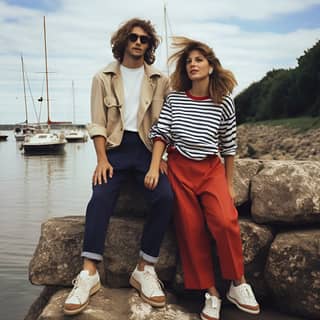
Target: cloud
x,y
78,35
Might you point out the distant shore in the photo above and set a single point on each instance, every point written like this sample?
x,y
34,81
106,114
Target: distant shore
x,y
53,126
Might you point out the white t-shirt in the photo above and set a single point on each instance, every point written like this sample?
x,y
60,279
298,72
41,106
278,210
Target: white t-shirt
x,y
132,79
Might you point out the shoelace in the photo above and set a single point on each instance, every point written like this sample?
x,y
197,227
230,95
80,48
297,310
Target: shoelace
x,y
247,293
76,285
155,280
213,302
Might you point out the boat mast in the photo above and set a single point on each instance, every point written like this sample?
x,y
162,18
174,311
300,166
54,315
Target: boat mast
x,y
166,35
73,103
46,62
24,90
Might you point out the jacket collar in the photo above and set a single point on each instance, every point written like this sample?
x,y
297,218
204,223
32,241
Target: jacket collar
x,y
114,68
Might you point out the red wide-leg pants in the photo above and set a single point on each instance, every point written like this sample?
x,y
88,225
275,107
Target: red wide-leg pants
x,y
204,209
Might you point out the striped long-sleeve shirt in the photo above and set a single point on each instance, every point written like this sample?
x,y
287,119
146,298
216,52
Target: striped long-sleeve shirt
x,y
197,127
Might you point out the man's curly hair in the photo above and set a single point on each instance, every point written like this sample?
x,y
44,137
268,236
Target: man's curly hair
x,y
119,39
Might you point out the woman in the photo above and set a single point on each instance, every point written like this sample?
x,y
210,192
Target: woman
x,y
196,124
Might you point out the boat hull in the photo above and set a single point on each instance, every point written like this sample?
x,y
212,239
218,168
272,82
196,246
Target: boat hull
x,y
3,137
19,137
75,139
45,148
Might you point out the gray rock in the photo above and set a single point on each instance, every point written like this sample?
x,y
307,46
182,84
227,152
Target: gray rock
x,y
256,241
116,304
277,142
286,192
245,169
141,311
293,272
39,304
111,304
57,260
122,247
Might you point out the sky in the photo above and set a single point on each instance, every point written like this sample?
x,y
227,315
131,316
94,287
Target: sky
x,y
249,37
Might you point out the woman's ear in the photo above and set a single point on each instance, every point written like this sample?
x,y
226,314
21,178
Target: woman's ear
x,y
210,70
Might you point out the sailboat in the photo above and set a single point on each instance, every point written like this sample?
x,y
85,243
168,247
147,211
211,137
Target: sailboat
x,y
75,135
45,142
24,128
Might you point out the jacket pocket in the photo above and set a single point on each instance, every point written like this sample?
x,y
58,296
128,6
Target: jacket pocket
x,y
113,114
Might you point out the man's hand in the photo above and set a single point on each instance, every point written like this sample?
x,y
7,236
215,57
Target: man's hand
x,y
103,170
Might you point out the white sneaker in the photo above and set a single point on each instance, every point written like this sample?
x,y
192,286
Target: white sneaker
x,y
212,306
84,286
149,286
243,297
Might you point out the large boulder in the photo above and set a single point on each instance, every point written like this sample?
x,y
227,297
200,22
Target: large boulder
x,y
286,192
116,304
122,247
256,241
57,259
245,169
293,272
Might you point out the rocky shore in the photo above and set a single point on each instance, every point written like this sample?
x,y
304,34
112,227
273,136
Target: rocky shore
x,y
279,211
277,143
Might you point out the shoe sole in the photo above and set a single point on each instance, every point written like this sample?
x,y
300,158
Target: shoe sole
x,y
93,290
134,283
205,318
239,306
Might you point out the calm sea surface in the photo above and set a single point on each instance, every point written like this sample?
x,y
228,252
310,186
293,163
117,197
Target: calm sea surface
x,y
32,190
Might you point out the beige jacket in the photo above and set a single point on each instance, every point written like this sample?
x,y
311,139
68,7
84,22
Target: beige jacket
x,y
107,104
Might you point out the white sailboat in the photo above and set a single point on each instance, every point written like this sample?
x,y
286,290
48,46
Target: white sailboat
x,y
75,135
23,129
45,142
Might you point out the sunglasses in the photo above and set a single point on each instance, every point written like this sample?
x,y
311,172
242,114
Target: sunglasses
x,y
133,37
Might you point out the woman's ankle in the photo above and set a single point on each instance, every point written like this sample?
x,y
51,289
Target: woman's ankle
x,y
213,292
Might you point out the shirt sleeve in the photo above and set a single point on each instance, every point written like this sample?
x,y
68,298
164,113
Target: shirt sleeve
x,y
228,128
162,128
98,125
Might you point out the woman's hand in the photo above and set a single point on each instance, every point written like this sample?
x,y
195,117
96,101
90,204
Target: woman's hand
x,y
164,167
151,179
103,170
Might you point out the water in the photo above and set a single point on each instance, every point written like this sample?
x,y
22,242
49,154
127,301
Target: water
x,y
32,190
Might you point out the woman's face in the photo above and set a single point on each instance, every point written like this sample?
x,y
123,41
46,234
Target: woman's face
x,y
197,66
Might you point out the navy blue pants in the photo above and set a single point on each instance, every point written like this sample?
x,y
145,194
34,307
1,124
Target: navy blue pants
x,y
131,157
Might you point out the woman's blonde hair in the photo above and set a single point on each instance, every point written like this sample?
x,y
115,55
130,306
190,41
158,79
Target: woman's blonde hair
x,y
222,81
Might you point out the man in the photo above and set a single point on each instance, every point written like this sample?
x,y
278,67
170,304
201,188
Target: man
x,y
126,100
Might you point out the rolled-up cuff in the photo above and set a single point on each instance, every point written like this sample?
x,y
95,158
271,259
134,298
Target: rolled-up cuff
x,y
96,130
228,153
148,258
92,256
159,139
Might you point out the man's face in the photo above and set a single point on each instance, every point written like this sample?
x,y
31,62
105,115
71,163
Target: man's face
x,y
138,43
